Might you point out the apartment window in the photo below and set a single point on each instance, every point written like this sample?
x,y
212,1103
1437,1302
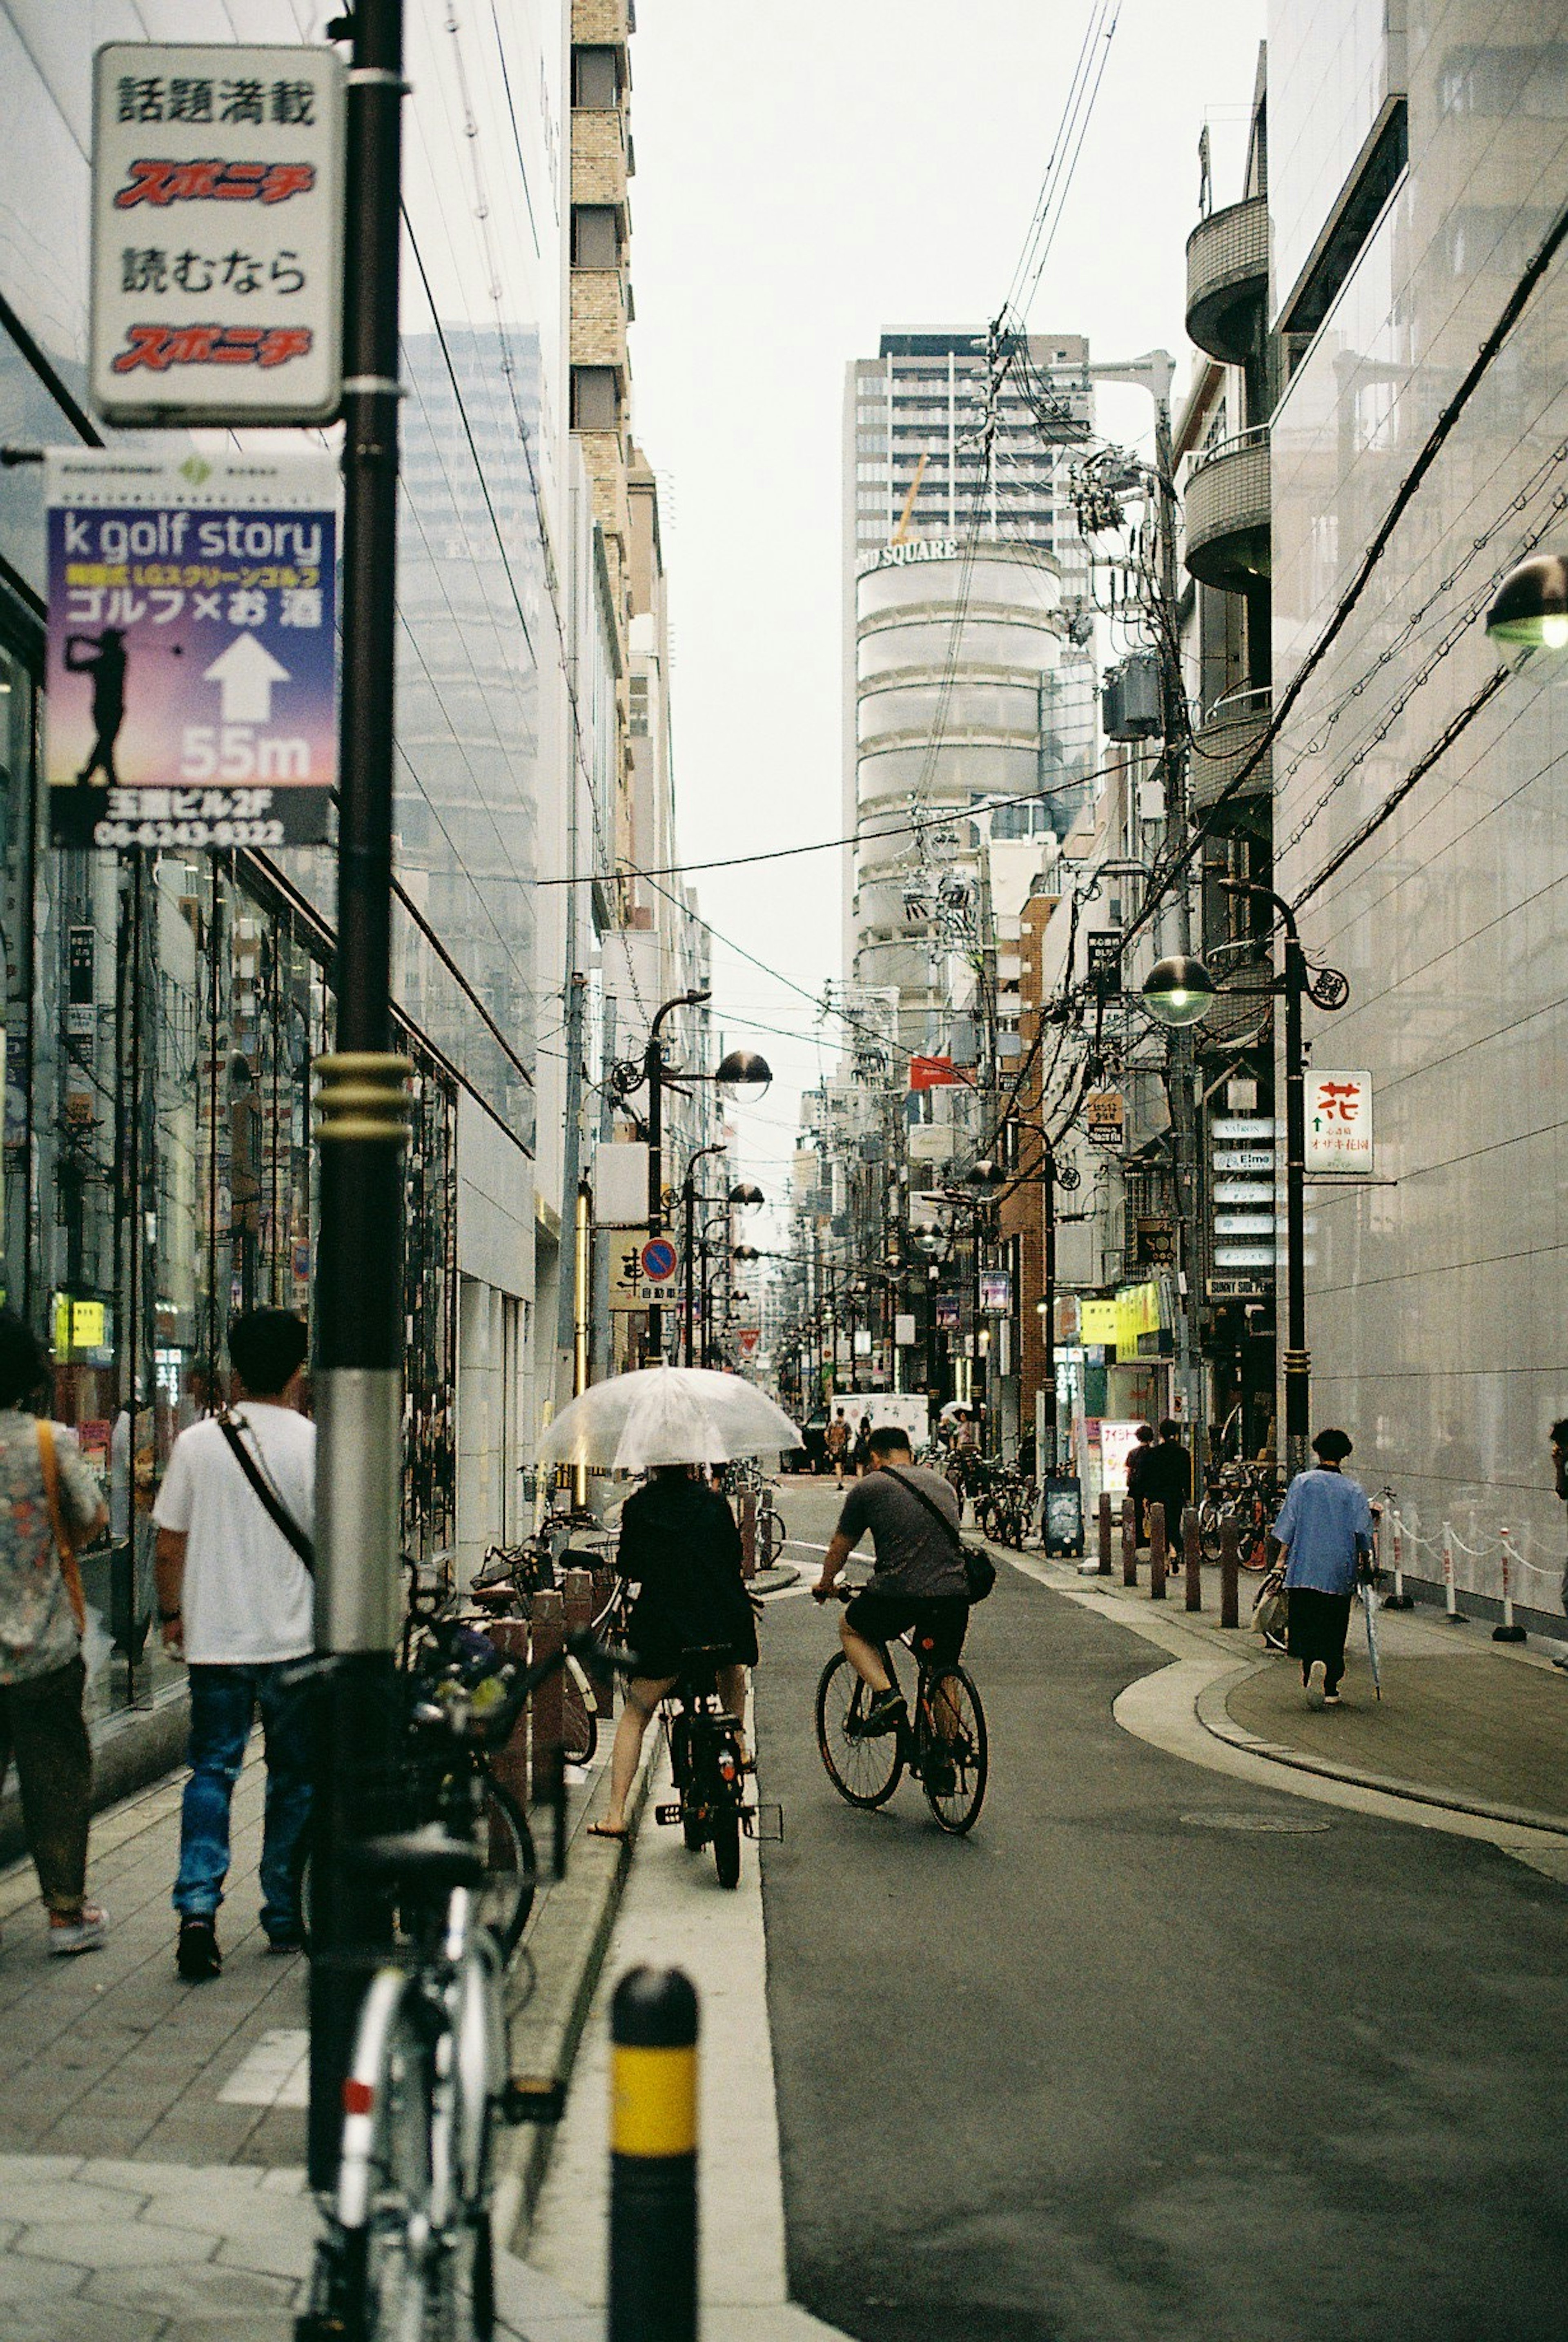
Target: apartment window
x,y
596,398
870,470
595,237
595,77
637,707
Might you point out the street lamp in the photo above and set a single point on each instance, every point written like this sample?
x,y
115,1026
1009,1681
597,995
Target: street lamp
x,y
1179,990
745,1192
743,1076
688,1233
1530,612
1170,990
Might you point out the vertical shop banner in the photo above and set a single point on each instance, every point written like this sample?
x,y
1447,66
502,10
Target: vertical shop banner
x,y
217,234
1339,1121
192,696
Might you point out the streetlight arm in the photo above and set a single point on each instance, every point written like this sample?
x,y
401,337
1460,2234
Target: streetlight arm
x,y
1249,886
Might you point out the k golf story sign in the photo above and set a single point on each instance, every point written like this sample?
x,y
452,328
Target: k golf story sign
x,y
192,648
217,235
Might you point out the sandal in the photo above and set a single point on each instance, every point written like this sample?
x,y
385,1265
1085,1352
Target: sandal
x,y
603,1829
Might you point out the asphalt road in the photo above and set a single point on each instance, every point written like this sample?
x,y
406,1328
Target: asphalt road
x,y
1102,2074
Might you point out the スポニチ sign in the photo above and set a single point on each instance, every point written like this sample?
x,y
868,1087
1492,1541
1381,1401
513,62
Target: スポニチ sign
x,y
217,234
192,653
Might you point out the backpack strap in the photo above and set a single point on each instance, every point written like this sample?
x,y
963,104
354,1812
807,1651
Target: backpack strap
x,y
266,1495
70,1569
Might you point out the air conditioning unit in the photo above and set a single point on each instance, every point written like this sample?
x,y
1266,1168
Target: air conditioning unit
x,y
1143,715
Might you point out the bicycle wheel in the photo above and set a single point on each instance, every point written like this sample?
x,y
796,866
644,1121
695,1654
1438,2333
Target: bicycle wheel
x,y
770,1536
511,1872
579,1715
865,1773
1209,1531
952,1757
726,1831
382,2271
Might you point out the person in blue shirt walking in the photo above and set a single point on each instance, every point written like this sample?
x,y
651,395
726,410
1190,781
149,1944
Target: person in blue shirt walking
x,y
1324,1530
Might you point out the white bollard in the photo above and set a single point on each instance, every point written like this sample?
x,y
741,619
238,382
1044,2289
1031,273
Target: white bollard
x,y
1399,1599
1508,1632
1450,1591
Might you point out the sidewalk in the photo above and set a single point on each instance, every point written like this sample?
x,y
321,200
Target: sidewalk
x,y
1464,1726
152,2134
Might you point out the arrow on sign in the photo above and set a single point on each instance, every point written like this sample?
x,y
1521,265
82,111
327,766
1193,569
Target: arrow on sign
x,y
246,674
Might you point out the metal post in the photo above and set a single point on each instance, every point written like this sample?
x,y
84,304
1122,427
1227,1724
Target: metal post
x,y
569,1301
688,1267
363,1104
1129,1542
653,1066
1046,1464
1105,1534
1156,1513
654,2158
1297,1360
1229,1574
1192,1555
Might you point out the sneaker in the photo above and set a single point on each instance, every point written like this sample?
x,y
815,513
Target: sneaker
x,y
885,1714
197,1956
287,1939
1561,1665
1317,1679
83,1934
1331,1699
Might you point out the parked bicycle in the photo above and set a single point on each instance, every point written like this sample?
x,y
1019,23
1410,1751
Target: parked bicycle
x,y
1004,1512
1250,1495
509,1579
408,2252
944,1744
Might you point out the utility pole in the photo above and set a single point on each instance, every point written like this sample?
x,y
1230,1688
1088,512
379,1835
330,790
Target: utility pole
x,y
362,1103
571,1303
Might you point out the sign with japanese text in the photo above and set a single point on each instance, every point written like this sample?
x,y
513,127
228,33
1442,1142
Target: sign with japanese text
x,y
1104,955
996,1291
217,234
191,676
642,1271
1105,1117
1339,1122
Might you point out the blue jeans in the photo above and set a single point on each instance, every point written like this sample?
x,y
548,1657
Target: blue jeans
x,y
223,1701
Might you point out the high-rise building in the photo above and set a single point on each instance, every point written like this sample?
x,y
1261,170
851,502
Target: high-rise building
x,y
968,695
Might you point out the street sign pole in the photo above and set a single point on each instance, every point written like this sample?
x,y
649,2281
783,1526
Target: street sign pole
x,y
362,1107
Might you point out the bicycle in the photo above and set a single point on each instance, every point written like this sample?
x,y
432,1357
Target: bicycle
x,y
408,2255
771,1538
509,1578
1249,1495
946,1745
705,1763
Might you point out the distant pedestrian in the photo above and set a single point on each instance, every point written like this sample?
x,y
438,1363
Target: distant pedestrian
x,y
1560,1475
234,1595
836,1441
1324,1530
1140,1458
861,1458
47,1493
1168,1477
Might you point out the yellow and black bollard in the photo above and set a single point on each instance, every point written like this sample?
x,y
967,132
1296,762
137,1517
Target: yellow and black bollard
x,y
653,2157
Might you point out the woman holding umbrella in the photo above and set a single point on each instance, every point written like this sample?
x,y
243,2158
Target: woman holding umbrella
x,y
680,1545
679,1542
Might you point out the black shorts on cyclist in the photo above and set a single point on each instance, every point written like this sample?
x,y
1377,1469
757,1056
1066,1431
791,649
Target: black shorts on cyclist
x,y
940,1623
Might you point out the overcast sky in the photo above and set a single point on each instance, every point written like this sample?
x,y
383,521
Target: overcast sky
x,y
805,177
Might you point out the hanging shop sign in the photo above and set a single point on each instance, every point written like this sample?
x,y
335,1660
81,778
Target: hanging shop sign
x,y
1156,1236
642,1272
192,648
1105,1117
217,235
996,1292
1104,960
1339,1122
948,1313
1097,1322
903,1332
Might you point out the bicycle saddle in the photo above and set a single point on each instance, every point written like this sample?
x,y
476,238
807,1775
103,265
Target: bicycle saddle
x,y
428,1857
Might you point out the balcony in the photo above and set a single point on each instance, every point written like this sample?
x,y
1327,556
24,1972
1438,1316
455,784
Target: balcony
x,y
1228,280
1227,507
1223,744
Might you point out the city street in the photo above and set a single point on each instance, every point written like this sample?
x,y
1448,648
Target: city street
x,y
1102,2069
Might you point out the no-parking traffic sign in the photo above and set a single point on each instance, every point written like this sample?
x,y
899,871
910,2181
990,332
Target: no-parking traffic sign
x,y
642,1272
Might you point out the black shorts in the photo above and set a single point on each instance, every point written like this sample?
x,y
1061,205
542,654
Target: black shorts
x,y
941,1621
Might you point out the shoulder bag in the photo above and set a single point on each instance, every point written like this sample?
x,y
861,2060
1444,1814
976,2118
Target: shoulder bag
x,y
65,1544
268,1497
979,1569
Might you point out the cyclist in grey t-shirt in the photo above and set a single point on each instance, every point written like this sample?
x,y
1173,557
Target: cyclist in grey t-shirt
x,y
919,1579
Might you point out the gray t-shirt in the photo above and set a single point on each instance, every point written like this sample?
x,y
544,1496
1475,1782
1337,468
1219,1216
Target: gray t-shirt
x,y
915,1556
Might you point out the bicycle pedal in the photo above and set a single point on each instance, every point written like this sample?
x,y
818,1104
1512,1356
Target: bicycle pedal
x,y
533,2098
668,1815
763,1823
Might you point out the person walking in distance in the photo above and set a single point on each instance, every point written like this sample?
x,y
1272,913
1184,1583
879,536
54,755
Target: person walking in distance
x,y
837,1443
1140,1461
234,1577
1167,1478
47,1492
1324,1531
1559,1479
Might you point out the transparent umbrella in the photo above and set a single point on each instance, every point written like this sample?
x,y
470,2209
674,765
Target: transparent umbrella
x,y
667,1414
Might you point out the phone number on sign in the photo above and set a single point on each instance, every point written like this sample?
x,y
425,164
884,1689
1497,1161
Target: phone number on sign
x,y
187,833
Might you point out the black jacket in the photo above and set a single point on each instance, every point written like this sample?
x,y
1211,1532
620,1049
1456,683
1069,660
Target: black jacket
x,y
679,1541
1167,1480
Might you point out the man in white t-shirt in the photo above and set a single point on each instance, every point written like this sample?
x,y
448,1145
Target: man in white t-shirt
x,y
234,1595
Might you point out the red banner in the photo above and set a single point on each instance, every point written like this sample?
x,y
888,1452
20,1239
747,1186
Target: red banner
x,y
933,1073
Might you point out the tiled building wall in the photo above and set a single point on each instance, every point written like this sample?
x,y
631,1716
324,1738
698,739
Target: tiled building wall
x,y
1436,1305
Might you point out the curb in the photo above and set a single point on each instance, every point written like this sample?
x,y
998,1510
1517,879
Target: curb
x,y
552,1988
774,1579
132,1748
1215,1715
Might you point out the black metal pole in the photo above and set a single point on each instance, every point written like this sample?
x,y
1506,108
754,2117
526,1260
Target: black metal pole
x,y
1297,1360
362,1107
653,1068
688,1267
1047,1462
